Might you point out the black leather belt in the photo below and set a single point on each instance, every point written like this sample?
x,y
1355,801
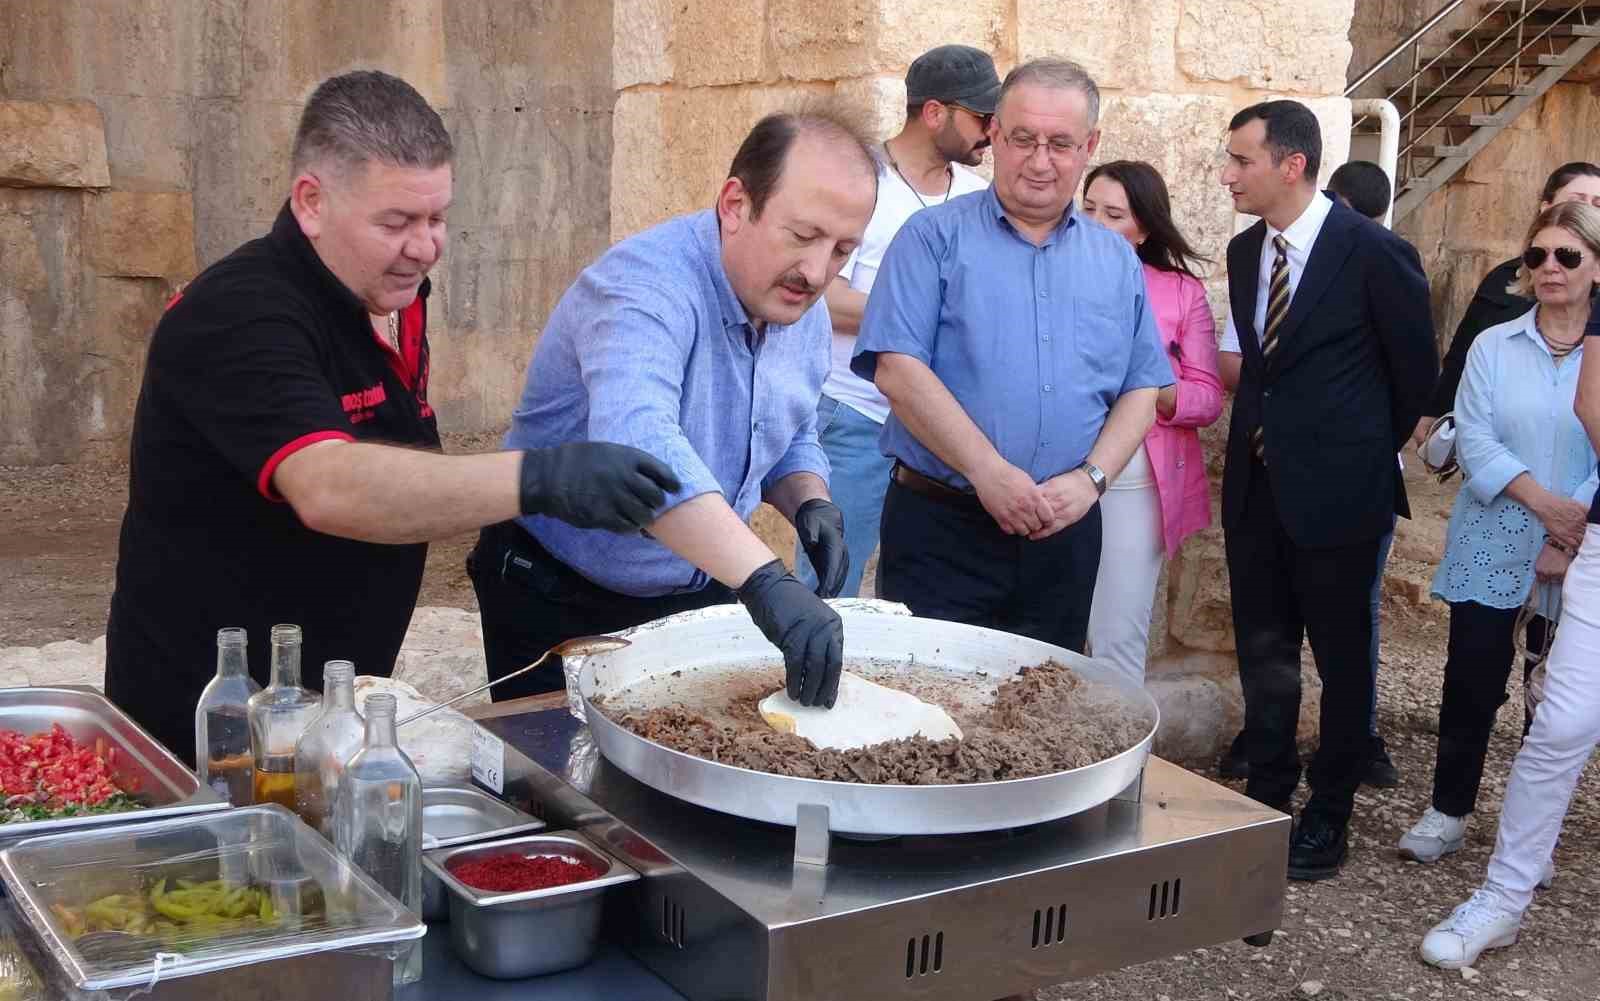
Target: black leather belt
x,y
934,490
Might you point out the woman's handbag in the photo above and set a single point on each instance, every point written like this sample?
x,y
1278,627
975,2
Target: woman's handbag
x,y
1438,448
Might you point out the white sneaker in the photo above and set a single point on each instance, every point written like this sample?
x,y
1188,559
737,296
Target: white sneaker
x,y
1480,923
1435,836
1549,878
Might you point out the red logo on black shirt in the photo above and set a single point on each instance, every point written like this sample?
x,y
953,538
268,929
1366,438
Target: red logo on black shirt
x,y
360,404
422,382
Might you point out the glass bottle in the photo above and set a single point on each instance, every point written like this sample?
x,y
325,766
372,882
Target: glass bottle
x,y
222,722
378,820
278,716
330,740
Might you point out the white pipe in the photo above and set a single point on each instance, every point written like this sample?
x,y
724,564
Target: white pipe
x,y
1388,142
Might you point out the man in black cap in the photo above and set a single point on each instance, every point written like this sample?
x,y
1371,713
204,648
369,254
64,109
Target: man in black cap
x,y
950,97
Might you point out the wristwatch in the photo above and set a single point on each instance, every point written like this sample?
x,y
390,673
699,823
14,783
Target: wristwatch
x,y
1096,477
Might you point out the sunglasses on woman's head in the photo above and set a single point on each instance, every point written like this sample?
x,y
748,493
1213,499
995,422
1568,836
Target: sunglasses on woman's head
x,y
1533,258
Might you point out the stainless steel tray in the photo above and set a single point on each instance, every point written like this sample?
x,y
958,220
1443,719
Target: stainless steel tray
x,y
458,815
534,932
143,765
323,902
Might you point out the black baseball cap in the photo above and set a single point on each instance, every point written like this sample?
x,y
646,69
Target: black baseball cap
x,y
954,74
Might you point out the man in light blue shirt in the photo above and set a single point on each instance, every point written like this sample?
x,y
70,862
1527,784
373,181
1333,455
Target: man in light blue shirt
x,y
1021,363
701,342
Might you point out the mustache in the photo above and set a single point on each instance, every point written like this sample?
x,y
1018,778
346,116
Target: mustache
x,y
797,282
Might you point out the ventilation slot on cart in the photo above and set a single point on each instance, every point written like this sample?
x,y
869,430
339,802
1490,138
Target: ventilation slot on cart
x,y
924,955
1050,926
672,930
1164,898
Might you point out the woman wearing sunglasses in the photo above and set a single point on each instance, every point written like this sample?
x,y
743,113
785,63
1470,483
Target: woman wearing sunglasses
x,y
1497,299
1522,513
1161,497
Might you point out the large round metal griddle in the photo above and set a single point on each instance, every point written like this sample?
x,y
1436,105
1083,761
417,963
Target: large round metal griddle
x,y
725,636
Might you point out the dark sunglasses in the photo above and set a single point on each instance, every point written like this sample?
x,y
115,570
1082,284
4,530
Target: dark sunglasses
x,y
1534,257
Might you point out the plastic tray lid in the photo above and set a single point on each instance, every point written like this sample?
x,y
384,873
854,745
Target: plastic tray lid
x,y
314,899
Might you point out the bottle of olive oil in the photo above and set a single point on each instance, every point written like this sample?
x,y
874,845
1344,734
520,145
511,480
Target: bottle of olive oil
x,y
279,714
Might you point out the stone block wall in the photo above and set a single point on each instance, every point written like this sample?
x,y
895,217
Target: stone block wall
x,y
149,138
82,268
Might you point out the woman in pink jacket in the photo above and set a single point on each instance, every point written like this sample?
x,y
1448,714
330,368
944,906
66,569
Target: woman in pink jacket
x,y
1161,497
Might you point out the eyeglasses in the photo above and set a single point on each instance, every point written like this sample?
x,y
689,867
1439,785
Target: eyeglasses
x,y
983,117
1058,148
1534,257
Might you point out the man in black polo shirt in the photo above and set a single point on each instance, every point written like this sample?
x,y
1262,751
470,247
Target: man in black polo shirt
x,y
285,460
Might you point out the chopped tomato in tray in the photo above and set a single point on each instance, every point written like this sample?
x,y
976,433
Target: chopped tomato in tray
x,y
49,774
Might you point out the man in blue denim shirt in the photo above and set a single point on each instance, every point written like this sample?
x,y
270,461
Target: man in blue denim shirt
x,y
702,342
1021,363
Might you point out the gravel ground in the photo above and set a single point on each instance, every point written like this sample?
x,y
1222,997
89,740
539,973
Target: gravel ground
x,y
1350,938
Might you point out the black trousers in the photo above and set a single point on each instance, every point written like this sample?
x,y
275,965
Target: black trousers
x,y
1283,593
1476,668
529,601
947,559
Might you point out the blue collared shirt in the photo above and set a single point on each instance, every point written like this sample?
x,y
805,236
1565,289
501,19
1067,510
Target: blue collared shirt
x,y
1513,415
1035,342
651,348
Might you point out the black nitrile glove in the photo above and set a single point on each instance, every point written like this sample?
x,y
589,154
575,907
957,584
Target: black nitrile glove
x,y
820,525
595,484
810,634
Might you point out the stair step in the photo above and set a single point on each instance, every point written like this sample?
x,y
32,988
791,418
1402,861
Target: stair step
x,y
1480,61
1559,31
1438,152
1476,90
1549,8
1456,121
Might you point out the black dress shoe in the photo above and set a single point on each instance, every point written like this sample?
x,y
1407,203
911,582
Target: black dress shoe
x,y
1316,849
1234,764
1381,772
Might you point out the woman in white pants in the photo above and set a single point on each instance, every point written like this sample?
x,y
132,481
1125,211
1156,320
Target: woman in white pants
x,y
1567,723
1161,497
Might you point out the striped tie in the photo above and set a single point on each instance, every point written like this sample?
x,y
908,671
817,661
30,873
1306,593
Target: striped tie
x,y
1277,309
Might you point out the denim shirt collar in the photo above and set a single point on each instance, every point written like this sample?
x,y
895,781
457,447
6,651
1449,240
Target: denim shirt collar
x,y
708,236
1527,326
1068,216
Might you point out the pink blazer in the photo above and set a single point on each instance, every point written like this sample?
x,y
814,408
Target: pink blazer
x,y
1189,335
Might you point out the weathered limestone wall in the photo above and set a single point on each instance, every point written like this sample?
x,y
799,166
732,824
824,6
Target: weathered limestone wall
x,y
1172,73
184,114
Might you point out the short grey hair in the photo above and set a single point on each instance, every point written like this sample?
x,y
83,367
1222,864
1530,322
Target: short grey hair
x,y
368,115
1578,218
1057,74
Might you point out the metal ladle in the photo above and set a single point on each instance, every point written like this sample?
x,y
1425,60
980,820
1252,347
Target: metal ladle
x,y
581,646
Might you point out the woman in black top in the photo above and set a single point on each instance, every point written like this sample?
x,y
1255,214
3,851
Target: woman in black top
x,y
1492,303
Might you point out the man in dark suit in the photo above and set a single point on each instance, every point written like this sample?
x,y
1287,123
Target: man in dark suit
x,y
1337,359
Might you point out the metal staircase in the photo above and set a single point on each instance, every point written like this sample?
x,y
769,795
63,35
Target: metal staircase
x,y
1473,68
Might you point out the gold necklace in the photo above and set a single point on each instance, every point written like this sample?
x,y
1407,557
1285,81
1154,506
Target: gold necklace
x,y
392,331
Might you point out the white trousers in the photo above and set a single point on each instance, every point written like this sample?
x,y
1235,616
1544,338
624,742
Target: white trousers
x,y
1131,549
1565,730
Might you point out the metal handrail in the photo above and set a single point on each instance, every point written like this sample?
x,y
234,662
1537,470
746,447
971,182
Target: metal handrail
x,y
1513,61
1411,40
